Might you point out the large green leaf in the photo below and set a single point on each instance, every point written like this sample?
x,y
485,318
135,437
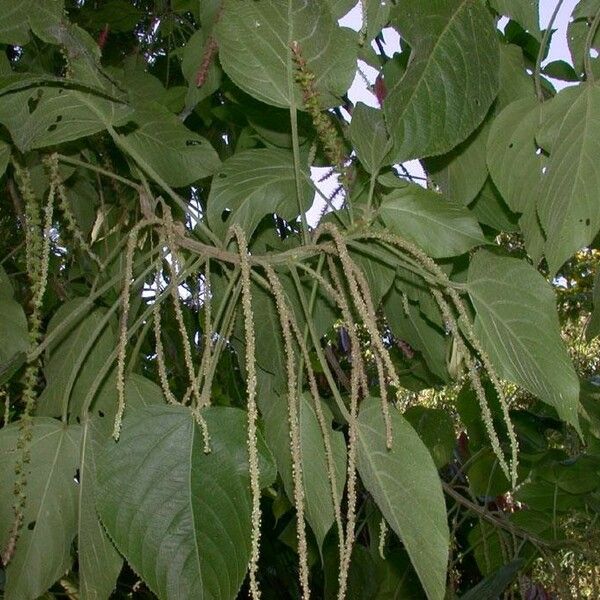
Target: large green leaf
x,y
253,184
512,155
99,561
181,517
47,116
73,361
452,78
14,336
569,200
369,137
405,485
518,328
461,174
19,16
255,49
317,488
43,551
525,12
179,156
439,226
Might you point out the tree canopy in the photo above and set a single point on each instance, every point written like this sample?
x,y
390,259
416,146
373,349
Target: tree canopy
x,y
209,395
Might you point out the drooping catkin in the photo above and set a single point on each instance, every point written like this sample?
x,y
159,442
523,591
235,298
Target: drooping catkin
x,y
490,370
474,379
294,425
357,379
159,348
250,347
383,529
360,294
132,240
37,251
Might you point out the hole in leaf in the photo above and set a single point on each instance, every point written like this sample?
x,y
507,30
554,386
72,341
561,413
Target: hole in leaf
x,y
76,478
52,127
78,419
587,222
511,145
225,215
31,525
193,143
34,101
100,413
594,53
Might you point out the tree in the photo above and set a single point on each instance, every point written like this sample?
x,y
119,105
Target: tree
x,y
208,396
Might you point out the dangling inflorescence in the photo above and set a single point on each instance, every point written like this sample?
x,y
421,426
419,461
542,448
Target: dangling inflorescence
x,y
250,348
37,252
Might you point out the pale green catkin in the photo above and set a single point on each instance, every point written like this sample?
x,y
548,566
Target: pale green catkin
x,y
69,217
324,426
360,294
160,351
357,377
383,529
6,420
239,235
429,264
122,344
475,380
294,426
37,251
208,333
514,444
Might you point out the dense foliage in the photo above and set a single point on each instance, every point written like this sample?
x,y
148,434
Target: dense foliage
x,y
208,396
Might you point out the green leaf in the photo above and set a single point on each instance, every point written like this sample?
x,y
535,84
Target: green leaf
x,y
569,197
255,40
194,53
518,328
494,585
73,361
405,485
525,12
181,517
490,209
440,227
19,16
577,33
253,184
43,551
414,328
179,156
379,275
317,487
461,174
512,154
14,332
452,78
48,116
99,561
4,157
436,430
369,137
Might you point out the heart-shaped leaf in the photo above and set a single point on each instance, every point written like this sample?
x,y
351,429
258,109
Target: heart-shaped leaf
x,y
182,517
